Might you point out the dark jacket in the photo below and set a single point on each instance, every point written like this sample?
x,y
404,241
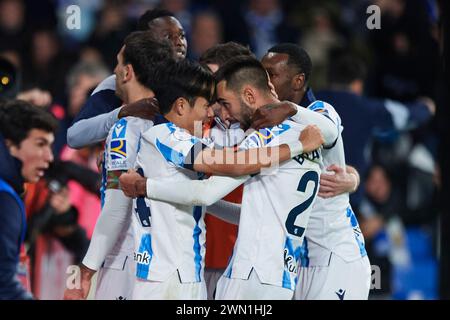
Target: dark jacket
x,y
363,118
12,225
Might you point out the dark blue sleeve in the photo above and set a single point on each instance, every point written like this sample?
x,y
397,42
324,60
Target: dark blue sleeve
x,y
10,231
418,113
101,102
381,119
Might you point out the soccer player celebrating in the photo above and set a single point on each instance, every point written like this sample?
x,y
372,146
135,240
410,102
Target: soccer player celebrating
x,y
334,262
275,207
111,247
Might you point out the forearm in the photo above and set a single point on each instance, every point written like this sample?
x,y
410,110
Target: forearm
x,y
229,163
226,211
194,192
328,128
109,225
92,130
355,184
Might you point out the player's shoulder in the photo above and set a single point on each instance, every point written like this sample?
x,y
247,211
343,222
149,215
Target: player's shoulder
x,y
128,127
324,108
108,83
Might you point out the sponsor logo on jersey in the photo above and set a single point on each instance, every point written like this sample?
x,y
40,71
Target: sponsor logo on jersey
x,y
142,257
289,262
340,294
120,129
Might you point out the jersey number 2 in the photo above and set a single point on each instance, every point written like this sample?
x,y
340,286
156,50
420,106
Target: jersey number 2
x,y
293,214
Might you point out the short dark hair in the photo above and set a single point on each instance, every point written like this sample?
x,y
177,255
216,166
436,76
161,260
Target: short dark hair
x,y
145,53
345,69
223,52
150,15
298,57
183,79
18,118
243,70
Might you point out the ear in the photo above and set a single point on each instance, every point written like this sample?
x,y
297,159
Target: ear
x,y
181,105
13,149
298,81
249,95
128,73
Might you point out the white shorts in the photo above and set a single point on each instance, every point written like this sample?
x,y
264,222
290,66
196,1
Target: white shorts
x,y
339,280
251,289
115,279
171,289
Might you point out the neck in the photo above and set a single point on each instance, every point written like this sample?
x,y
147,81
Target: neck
x,y
269,99
179,121
136,93
297,96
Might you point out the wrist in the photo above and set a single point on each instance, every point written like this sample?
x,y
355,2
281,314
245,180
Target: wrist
x,y
292,108
355,182
86,273
296,148
141,187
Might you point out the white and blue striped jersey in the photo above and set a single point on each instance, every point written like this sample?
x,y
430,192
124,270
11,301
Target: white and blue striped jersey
x,y
121,149
169,237
332,226
275,210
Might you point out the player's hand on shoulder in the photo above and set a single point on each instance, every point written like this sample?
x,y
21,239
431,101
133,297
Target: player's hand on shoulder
x,y
311,138
273,114
146,108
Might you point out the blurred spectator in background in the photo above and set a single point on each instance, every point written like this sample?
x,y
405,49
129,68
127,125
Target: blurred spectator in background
x,y
319,41
406,52
399,224
46,64
81,81
26,135
12,25
111,29
259,23
364,117
206,33
56,236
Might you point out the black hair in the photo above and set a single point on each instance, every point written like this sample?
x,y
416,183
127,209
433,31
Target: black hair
x,y
144,53
221,53
243,70
298,57
183,79
345,69
18,118
150,15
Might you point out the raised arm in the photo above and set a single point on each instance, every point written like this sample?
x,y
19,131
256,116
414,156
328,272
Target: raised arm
x,y
251,161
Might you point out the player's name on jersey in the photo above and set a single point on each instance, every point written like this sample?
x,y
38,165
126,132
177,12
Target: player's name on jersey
x,y
311,156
